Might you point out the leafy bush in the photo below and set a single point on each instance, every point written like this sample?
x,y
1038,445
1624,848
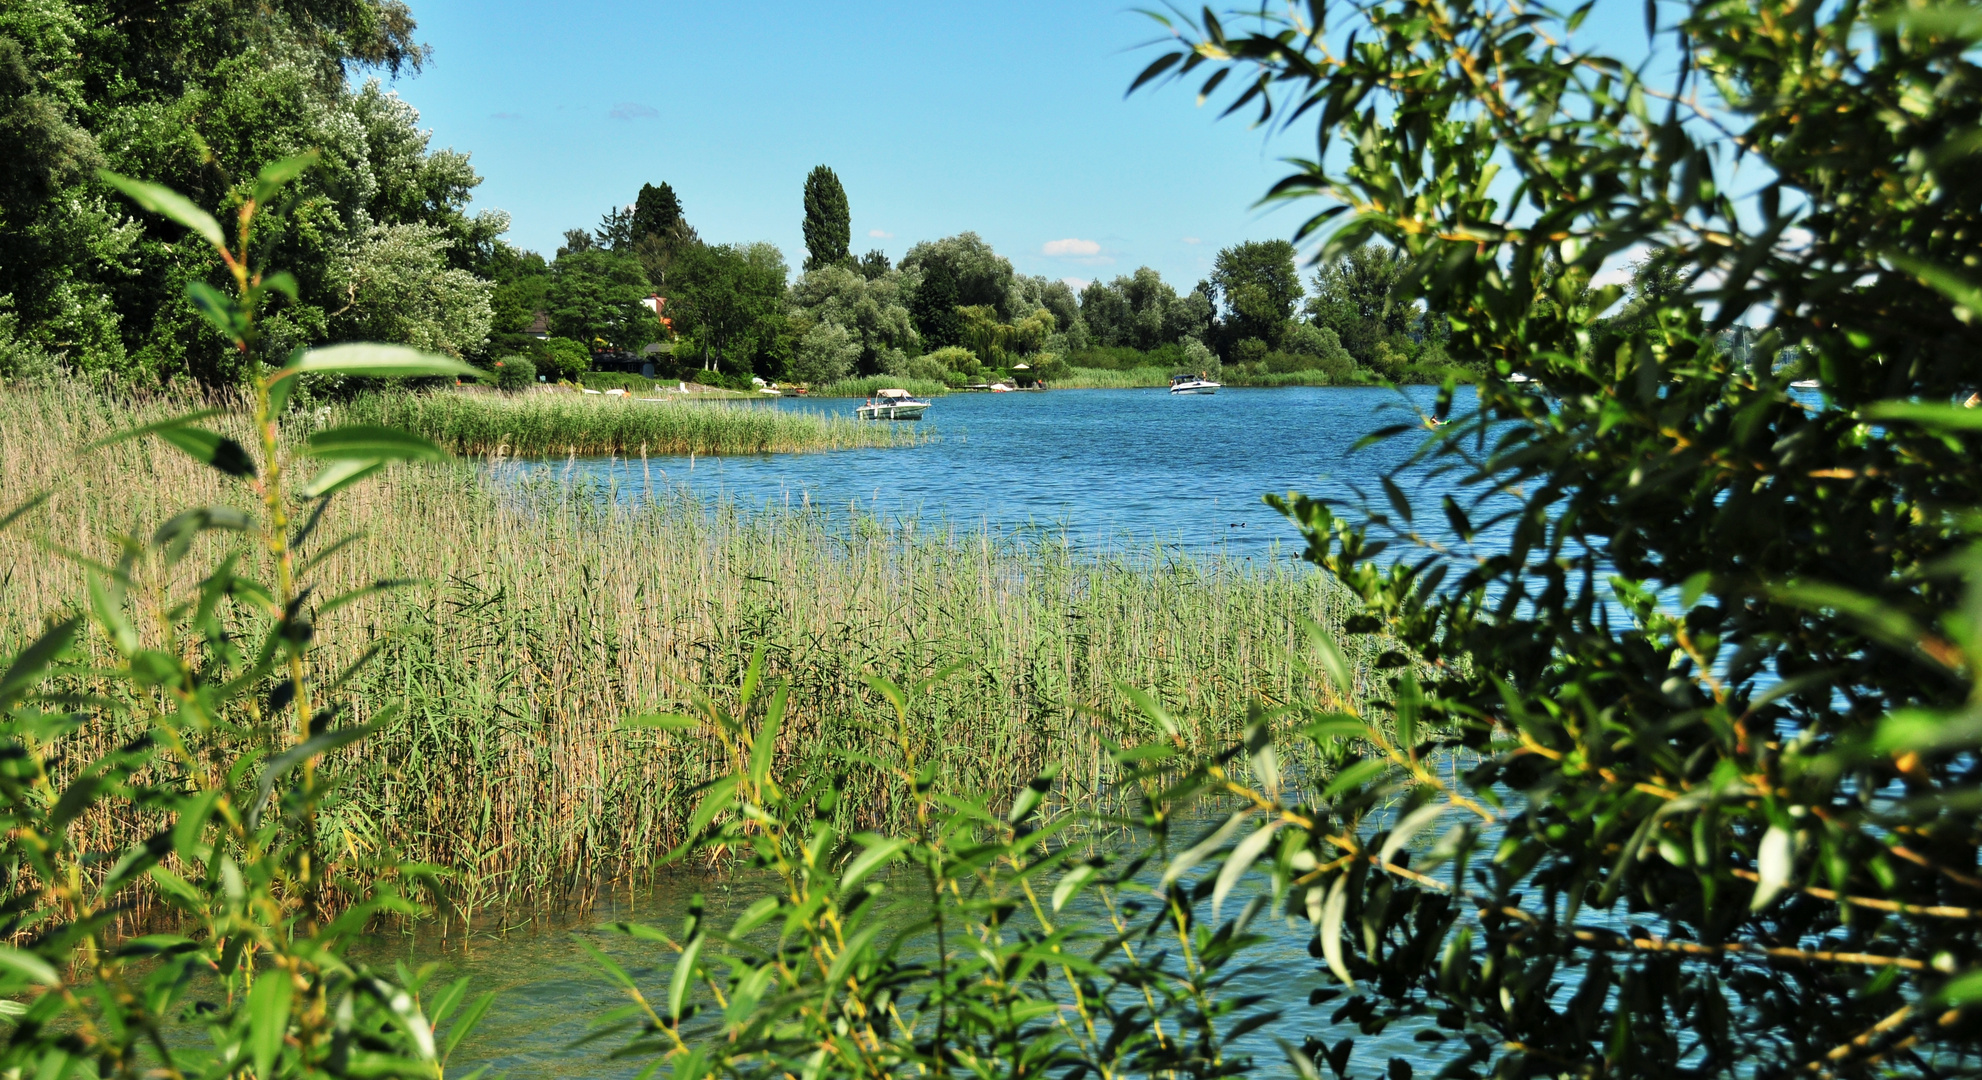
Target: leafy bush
x,y
514,373
209,724
1697,636
563,360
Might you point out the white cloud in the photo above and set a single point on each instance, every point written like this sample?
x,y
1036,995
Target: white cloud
x,y
633,110
880,234
1071,248
1074,283
1192,240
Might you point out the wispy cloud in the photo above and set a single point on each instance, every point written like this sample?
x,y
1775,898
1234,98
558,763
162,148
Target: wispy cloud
x,y
1071,248
633,110
1192,240
1075,250
506,116
880,234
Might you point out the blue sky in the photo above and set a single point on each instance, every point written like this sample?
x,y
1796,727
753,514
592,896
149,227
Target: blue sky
x,y
1006,118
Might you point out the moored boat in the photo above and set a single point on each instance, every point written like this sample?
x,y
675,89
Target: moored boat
x,y
892,405
1186,384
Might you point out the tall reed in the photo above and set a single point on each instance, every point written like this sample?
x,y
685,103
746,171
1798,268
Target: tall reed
x,y
543,616
554,425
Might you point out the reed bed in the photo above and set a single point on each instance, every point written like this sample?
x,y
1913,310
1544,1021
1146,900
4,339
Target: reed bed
x,y
596,425
867,385
545,615
1082,378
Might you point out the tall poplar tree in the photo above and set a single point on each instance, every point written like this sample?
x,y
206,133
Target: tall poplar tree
x,y
828,222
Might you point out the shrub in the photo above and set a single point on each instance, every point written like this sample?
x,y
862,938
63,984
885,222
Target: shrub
x,y
1248,351
562,359
1700,656
514,373
958,359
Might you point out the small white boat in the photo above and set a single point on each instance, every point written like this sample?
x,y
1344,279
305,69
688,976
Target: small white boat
x,y
1185,384
892,405
1806,384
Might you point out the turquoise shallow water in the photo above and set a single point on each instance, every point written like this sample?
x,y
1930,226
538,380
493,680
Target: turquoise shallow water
x,y
1102,466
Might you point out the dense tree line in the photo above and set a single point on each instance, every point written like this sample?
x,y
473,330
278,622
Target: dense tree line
x,y
383,247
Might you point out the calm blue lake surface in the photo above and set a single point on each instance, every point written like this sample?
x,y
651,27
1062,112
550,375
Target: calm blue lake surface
x,y
1104,466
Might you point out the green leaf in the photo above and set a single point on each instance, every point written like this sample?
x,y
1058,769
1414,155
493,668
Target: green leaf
x,y
754,916
1353,777
765,742
282,281
160,199
210,448
268,1018
1150,707
843,963
870,860
28,966
1962,990
23,509
1071,885
1333,663
374,361
372,443
469,1021
339,475
1413,823
219,309
30,663
684,976
721,796
1774,858
1202,850
276,173
1243,856
160,425
1332,911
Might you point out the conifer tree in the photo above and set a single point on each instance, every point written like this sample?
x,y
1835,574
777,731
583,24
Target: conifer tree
x,y
828,222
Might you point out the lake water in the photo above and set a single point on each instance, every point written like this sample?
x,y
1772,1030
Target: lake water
x,y
1102,467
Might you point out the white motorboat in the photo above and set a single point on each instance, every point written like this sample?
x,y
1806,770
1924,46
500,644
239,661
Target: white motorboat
x,y
892,405
1185,384
1806,384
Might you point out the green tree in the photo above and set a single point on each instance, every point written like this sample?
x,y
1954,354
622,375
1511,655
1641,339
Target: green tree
x,y
197,96
401,289
615,231
934,307
875,264
828,222
1362,296
729,301
979,275
522,282
596,296
1707,638
1259,285
872,310
660,231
